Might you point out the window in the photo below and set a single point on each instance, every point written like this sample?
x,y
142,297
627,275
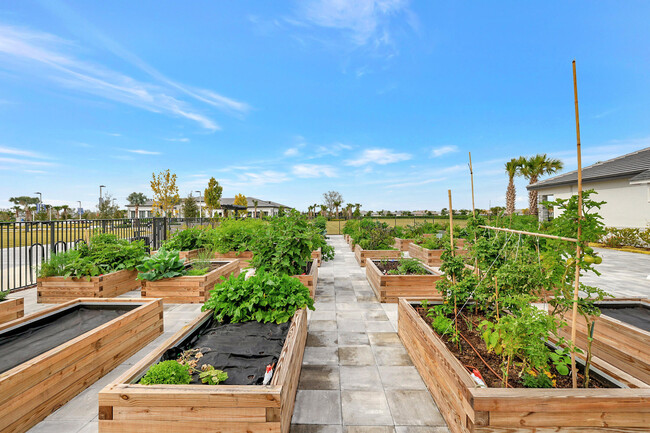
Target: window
x,y
143,213
132,214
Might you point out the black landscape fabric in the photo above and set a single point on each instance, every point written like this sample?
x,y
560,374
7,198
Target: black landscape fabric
x,y
638,316
243,350
32,339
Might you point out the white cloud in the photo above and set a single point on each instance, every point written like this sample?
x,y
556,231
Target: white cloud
x,y
314,170
439,151
333,149
364,22
292,151
19,152
180,140
142,152
378,156
24,162
418,183
262,178
19,47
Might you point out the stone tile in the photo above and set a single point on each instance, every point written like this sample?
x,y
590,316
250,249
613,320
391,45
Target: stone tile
x,y
420,429
320,356
410,407
58,426
375,315
349,315
324,306
317,407
384,339
400,377
353,339
322,325
314,428
91,427
323,315
348,306
386,355
360,378
367,298
321,377
351,325
356,355
322,338
379,326
370,429
365,408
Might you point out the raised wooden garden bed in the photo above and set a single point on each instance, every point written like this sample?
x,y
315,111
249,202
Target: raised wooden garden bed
x,y
189,255
362,255
244,257
189,289
12,309
125,406
469,409
388,288
403,244
54,290
317,255
621,339
43,375
310,279
429,257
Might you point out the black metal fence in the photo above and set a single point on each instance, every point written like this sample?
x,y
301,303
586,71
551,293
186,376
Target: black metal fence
x,y
25,245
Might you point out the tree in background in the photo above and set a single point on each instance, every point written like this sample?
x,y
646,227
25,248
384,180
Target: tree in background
x,y
240,200
330,197
137,199
255,203
190,208
336,204
357,211
165,192
532,169
212,196
25,202
65,211
513,169
323,209
444,211
107,209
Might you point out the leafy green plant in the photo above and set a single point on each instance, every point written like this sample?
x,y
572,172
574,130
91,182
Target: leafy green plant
x,y
377,236
263,297
3,295
211,375
188,239
163,264
167,373
409,267
235,235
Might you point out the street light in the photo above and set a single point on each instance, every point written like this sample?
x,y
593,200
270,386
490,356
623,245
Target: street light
x,y
100,193
200,211
79,208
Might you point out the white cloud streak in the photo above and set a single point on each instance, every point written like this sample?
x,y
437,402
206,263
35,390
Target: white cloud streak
x,y
378,156
19,152
142,152
314,170
439,151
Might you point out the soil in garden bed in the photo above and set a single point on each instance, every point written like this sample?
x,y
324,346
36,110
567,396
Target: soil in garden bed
x,y
632,314
212,267
243,350
389,265
24,342
468,357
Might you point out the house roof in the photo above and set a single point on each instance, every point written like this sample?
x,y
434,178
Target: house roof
x,y
632,165
231,201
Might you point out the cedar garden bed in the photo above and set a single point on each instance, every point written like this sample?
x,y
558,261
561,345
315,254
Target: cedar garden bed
x,y
621,339
190,289
310,278
427,256
362,255
49,357
403,244
54,290
125,405
11,309
244,257
469,409
317,255
388,288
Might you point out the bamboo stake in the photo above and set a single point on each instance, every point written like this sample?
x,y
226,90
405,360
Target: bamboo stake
x,y
540,235
451,235
574,374
471,176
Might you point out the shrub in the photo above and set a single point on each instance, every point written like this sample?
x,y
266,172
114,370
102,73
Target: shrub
x,y
235,235
321,223
189,239
409,266
163,264
628,237
263,297
167,373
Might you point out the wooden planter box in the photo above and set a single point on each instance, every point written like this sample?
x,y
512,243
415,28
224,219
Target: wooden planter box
x,y
616,344
317,255
388,288
125,406
12,309
310,280
54,290
347,238
403,244
244,257
361,255
188,289
352,244
187,255
429,257
32,390
468,409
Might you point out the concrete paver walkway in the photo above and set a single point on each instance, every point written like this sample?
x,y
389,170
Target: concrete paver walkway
x,y
624,274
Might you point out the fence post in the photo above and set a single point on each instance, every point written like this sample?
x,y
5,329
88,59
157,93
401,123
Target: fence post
x,y
52,240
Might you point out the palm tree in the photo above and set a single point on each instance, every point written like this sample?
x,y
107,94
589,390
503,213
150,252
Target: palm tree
x,y
336,204
323,209
255,202
137,199
16,209
533,168
513,168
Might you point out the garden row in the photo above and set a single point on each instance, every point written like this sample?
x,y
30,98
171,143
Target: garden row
x,y
496,362
236,366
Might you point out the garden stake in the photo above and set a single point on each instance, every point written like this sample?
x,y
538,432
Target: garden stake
x,y
578,252
471,176
453,277
496,291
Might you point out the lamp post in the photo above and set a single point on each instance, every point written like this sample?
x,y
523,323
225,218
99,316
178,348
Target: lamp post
x,y
200,210
100,193
79,201
40,203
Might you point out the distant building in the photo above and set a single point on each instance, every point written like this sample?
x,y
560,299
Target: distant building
x,y
622,182
264,208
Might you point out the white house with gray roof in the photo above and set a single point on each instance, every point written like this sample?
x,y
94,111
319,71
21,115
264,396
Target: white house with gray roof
x,y
622,182
264,208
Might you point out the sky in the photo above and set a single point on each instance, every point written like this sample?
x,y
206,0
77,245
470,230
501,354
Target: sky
x,y
381,100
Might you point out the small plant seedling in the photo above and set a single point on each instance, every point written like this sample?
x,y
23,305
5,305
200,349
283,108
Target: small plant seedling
x,y
211,375
167,373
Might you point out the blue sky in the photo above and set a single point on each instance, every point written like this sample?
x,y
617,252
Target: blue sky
x,y
380,100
